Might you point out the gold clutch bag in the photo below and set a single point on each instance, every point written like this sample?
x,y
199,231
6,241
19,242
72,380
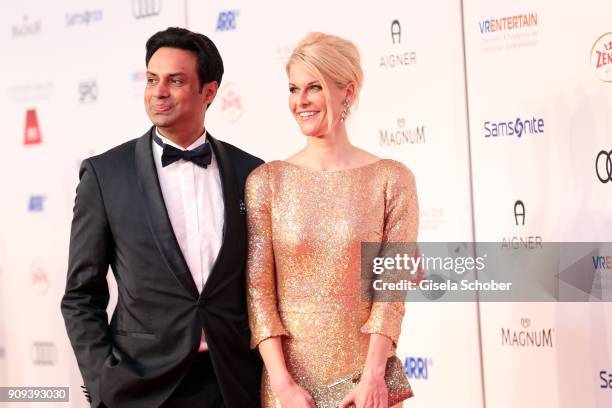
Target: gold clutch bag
x,y
331,395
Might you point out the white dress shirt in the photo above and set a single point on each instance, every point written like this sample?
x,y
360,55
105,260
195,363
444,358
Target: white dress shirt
x,y
194,201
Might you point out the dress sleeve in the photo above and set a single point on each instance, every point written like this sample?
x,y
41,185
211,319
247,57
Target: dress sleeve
x,y
400,225
264,319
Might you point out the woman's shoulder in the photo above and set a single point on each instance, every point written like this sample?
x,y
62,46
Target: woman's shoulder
x,y
396,174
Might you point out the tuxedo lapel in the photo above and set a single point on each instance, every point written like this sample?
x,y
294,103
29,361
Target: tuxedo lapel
x,y
233,229
157,215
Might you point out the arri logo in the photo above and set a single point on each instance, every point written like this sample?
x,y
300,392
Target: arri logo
x,y
601,57
517,127
26,28
603,166
417,368
494,25
31,133
146,8
43,353
226,21
88,91
527,337
397,58
36,203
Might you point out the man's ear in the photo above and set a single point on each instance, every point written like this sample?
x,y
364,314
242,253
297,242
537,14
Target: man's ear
x,y
209,91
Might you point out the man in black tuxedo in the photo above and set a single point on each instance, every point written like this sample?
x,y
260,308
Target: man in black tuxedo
x,y
166,212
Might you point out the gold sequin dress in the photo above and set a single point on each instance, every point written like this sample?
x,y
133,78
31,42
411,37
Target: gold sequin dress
x,y
303,268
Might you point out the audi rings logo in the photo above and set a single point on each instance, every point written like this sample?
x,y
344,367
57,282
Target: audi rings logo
x,y
603,166
146,8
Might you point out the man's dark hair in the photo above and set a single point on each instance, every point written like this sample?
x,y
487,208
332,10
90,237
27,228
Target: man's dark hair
x,y
209,62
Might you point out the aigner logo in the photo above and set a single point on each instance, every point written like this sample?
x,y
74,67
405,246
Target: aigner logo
x,y
146,8
396,32
31,133
603,166
43,353
227,20
519,211
88,91
521,242
397,59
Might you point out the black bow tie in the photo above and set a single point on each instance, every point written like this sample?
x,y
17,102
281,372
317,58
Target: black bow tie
x,y
200,156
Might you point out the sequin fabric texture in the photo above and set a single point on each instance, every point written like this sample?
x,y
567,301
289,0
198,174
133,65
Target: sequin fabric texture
x,y
303,268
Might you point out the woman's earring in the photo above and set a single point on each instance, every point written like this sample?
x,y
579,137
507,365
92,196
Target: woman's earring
x,y
345,111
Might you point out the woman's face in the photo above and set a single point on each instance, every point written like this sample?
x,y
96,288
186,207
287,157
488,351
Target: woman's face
x,y
307,102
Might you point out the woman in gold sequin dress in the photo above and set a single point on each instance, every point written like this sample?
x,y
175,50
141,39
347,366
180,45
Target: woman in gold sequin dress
x,y
307,217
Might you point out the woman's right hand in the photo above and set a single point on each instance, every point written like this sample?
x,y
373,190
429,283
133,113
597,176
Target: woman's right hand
x,y
291,395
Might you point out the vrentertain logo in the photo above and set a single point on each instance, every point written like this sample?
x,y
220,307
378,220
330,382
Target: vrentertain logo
x,y
494,25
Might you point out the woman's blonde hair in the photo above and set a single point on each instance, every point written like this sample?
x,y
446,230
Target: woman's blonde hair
x,y
332,57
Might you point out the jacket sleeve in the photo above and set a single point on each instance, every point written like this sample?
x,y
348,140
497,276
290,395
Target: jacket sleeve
x,y
400,226
86,297
264,318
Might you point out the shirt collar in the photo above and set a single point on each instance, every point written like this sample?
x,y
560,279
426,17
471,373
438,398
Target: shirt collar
x,y
198,142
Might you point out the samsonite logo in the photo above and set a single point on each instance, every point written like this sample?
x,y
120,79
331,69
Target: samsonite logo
x,y
31,132
518,127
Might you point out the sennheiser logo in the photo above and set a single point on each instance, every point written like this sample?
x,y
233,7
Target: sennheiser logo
x,y
396,32
43,353
146,8
603,166
519,212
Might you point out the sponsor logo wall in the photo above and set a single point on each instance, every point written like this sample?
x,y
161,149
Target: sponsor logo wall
x,y
507,144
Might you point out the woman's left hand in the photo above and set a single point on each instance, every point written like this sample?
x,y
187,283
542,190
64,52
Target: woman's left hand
x,y
371,392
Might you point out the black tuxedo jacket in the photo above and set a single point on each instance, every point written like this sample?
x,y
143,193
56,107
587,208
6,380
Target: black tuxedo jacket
x,y
120,220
